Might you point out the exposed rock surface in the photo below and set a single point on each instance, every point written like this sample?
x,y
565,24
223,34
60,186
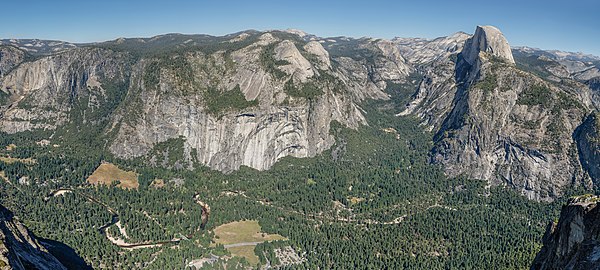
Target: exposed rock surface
x,y
498,123
10,57
421,51
436,61
251,98
139,100
490,40
573,242
19,248
43,92
588,142
398,64
561,66
38,47
298,66
315,48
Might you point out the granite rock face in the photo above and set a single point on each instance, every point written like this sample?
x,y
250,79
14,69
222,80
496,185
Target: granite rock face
x,y
496,122
10,57
572,243
43,93
315,48
297,65
140,100
436,61
20,249
251,98
588,142
490,40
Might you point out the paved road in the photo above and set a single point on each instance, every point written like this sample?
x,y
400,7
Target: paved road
x,y
243,244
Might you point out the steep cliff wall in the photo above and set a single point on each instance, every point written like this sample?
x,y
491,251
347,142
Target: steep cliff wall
x,y
588,142
496,122
244,100
19,249
572,243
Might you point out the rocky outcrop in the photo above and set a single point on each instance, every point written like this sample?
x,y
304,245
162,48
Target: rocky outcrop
x,y
250,99
588,142
38,47
10,57
44,93
290,92
572,243
436,60
20,249
315,48
396,64
297,65
490,40
498,123
422,52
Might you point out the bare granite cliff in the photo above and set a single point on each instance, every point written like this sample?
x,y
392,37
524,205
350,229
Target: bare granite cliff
x,y
43,94
572,243
245,100
588,141
10,57
252,98
487,39
496,122
20,249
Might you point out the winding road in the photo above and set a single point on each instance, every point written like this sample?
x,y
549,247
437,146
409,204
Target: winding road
x,y
115,219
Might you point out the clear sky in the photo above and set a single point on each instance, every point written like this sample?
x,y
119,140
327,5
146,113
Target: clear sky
x,y
572,25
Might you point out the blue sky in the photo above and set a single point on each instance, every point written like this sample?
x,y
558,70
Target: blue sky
x,y
572,25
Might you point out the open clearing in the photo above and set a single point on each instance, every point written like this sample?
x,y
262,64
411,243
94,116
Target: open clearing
x,y
242,237
11,147
246,252
157,183
107,173
243,231
10,160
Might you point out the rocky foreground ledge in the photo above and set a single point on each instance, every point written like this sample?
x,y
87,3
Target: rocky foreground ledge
x,y
20,249
573,242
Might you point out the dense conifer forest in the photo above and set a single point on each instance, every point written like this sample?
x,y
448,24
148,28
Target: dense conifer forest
x,y
372,201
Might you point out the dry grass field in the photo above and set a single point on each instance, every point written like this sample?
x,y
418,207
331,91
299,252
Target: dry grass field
x,y
107,173
240,232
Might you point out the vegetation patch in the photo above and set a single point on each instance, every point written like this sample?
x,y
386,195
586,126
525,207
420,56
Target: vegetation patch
x,y
152,76
4,97
565,101
488,84
108,173
158,183
535,95
267,60
401,92
533,64
170,151
308,90
218,102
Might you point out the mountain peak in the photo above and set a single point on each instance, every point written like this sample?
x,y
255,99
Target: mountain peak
x,y
490,40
